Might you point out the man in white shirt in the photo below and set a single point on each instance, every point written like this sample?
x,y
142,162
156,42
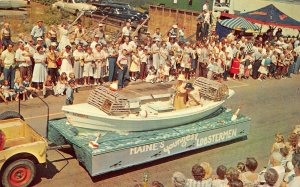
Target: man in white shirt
x,y
23,60
94,42
8,61
126,30
275,161
206,6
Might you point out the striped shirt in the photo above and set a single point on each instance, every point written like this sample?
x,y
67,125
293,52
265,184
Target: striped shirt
x,y
203,183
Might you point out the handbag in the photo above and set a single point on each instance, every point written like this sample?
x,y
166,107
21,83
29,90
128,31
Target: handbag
x,y
59,62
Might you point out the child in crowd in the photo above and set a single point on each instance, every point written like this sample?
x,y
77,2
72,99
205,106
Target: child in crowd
x,y
143,56
6,91
135,65
167,68
279,143
72,77
2,96
160,74
221,180
29,89
151,77
241,167
19,89
48,88
61,84
70,92
211,69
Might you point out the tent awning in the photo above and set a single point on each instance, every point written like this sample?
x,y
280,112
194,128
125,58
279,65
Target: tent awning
x,y
269,15
238,24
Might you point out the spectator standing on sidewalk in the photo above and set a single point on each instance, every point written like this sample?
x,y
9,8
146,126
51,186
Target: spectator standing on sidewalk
x,y
8,61
38,31
5,36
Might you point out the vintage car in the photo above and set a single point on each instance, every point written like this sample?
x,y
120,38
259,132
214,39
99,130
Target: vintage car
x,y
119,11
21,150
74,6
13,4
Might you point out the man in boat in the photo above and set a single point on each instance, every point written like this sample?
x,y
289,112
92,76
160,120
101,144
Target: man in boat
x,y
182,93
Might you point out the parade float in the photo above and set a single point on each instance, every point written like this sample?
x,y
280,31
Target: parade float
x,y
111,132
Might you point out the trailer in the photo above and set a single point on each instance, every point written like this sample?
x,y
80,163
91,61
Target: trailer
x,y
119,150
25,148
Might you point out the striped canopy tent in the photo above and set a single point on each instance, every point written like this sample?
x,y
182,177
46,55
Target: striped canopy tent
x,y
239,24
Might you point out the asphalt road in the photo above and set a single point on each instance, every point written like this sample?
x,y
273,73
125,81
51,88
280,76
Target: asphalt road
x,y
273,106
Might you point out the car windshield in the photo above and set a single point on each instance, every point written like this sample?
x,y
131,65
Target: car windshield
x,y
80,1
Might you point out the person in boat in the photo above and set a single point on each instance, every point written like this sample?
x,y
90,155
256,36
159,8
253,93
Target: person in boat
x,y
182,92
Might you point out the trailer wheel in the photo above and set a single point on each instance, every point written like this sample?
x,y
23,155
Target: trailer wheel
x,y
10,115
19,173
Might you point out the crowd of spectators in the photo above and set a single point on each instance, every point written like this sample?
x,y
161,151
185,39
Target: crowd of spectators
x,y
49,58
282,170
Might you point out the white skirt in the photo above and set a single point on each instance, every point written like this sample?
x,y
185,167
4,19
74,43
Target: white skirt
x,y
39,73
99,70
263,70
66,67
87,69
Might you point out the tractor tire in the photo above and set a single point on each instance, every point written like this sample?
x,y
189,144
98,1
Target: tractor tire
x,y
19,173
10,115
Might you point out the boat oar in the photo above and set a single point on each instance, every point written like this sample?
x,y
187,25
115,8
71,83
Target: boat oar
x,y
235,115
94,144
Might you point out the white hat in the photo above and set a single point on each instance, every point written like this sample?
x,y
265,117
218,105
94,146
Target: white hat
x,y
39,39
100,25
157,39
175,26
53,44
97,36
181,77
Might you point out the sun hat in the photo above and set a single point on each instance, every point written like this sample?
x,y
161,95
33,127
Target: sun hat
x,y
181,77
175,26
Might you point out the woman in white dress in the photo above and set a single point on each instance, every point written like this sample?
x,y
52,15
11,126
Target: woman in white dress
x,y
66,64
78,56
100,55
40,70
64,39
89,64
163,54
135,65
155,54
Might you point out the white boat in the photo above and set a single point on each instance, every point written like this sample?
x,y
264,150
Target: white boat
x,y
139,114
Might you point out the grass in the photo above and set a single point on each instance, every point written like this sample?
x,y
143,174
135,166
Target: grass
x,y
181,4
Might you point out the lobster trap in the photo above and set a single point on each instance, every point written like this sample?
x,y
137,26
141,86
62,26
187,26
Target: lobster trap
x,y
108,101
210,89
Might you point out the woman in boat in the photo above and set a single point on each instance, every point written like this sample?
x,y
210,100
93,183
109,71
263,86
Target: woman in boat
x,y
182,91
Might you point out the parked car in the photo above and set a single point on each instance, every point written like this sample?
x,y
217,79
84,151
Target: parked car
x,y
74,6
21,150
119,11
13,4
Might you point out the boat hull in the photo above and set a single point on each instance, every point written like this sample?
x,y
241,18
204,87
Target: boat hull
x,y
113,123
